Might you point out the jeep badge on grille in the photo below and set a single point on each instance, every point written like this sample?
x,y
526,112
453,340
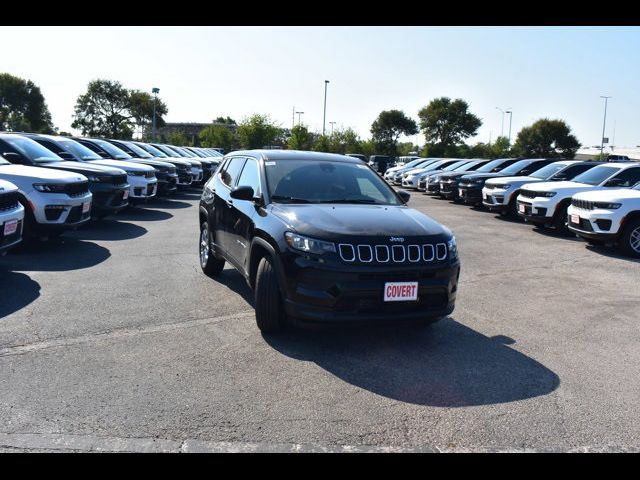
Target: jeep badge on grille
x,y
396,239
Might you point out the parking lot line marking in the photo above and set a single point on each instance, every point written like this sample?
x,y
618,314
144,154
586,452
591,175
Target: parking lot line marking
x,y
95,443
118,333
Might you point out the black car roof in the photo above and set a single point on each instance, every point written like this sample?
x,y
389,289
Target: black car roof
x,y
295,155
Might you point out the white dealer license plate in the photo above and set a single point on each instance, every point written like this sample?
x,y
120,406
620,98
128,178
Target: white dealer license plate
x,y
86,207
575,219
521,208
460,192
400,291
10,228
126,195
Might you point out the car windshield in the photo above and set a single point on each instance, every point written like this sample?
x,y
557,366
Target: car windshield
x,y
172,151
326,181
515,168
31,149
4,162
140,152
414,162
435,166
455,166
636,186
596,175
112,150
77,149
467,166
152,150
491,165
548,170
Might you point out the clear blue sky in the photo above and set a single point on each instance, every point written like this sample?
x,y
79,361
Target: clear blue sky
x,y
204,72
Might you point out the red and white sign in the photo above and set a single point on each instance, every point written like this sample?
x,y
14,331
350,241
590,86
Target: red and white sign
x,y
575,219
400,291
10,228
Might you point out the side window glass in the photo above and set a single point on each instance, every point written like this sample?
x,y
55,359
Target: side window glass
x,y
231,171
630,177
250,176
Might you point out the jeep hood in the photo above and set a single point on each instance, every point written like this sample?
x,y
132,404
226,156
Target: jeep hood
x,y
610,195
130,166
521,180
331,222
560,186
17,174
83,168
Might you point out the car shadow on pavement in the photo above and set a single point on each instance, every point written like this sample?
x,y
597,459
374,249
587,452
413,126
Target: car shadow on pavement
x,y
168,203
445,365
142,213
57,255
187,195
549,232
610,252
17,290
234,281
107,229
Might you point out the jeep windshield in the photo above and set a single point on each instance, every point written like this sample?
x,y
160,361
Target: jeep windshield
x,y
77,149
326,181
596,175
31,149
548,171
488,167
112,150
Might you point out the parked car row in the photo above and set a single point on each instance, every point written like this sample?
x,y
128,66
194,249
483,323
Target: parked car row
x,y
50,184
597,201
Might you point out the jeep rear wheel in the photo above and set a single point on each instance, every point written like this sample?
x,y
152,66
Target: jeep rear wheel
x,y
210,265
268,299
560,222
630,239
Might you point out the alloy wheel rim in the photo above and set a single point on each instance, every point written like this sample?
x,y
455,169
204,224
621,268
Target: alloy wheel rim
x,y
204,247
634,239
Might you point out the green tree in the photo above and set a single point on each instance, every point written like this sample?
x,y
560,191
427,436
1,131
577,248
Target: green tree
x,y
141,110
368,148
499,149
218,136
344,141
406,148
300,138
387,128
226,121
258,131
103,111
322,144
178,138
546,138
22,106
448,123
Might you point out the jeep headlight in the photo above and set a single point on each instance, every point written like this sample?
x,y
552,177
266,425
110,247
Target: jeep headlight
x,y
453,248
608,206
548,194
309,245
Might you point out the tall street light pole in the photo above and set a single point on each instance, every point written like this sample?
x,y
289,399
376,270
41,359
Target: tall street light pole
x,y
299,113
510,112
604,122
293,118
502,127
332,124
155,92
324,117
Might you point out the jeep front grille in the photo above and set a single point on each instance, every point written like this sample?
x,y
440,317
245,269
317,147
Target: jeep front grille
x,y
584,204
407,254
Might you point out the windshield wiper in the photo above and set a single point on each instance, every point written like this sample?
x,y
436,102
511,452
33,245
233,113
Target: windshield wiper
x,y
286,199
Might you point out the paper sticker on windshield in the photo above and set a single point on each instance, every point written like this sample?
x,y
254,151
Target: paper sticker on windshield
x,y
269,163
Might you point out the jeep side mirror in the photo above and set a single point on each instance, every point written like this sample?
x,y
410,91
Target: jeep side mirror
x,y
13,157
242,192
616,182
404,196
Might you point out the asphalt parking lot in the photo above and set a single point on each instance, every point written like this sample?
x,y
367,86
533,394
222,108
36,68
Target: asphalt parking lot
x,y
111,338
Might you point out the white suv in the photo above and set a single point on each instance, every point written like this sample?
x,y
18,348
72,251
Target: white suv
x,y
499,194
608,216
546,203
11,217
54,200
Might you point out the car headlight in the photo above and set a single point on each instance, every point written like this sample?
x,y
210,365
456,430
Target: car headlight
x,y
608,206
49,187
502,187
453,248
548,194
309,245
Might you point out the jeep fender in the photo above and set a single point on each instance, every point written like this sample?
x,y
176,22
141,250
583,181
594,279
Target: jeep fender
x,y
257,244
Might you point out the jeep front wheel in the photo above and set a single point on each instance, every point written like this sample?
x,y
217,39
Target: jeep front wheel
x,y
630,239
210,265
268,299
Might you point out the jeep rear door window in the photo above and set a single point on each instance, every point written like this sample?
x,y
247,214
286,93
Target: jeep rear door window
x,y
231,171
78,150
547,171
305,181
630,177
489,167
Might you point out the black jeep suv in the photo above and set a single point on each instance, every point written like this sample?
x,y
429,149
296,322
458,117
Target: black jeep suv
x,y
322,238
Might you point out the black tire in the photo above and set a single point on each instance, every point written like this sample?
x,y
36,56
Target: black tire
x,y
629,242
268,299
210,265
560,222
